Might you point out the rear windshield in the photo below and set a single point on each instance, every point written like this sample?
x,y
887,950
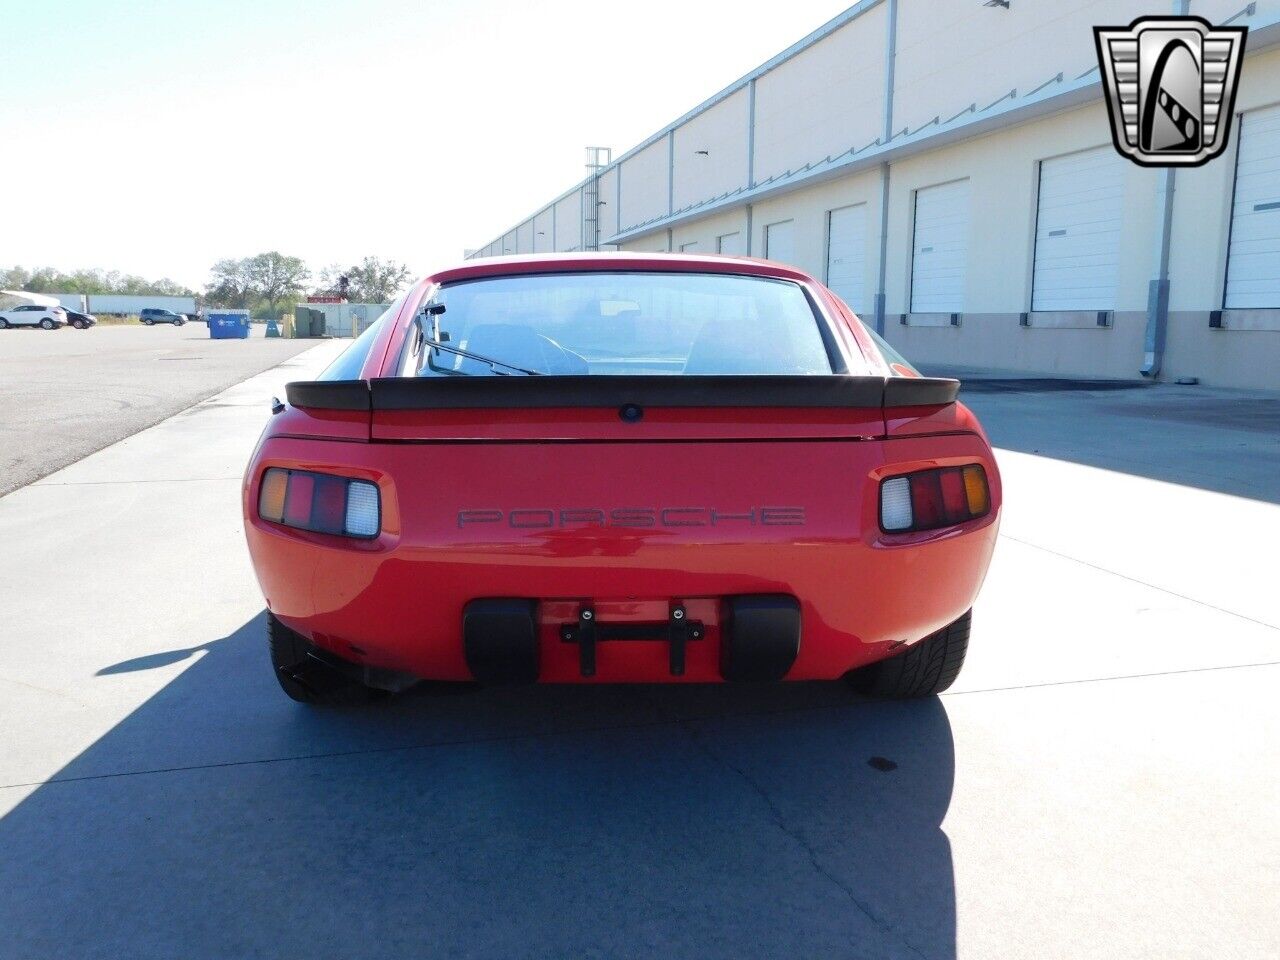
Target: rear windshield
x,y
623,323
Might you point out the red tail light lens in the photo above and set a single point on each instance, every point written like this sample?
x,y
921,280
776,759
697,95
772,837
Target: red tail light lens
x,y
320,502
930,499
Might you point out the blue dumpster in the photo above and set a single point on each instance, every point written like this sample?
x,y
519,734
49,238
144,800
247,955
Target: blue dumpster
x,y
228,326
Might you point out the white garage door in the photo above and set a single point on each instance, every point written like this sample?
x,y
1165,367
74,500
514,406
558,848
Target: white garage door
x,y
730,244
690,247
941,248
1078,231
1253,262
780,242
847,254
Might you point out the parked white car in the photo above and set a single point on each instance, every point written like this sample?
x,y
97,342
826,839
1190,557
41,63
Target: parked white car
x,y
33,315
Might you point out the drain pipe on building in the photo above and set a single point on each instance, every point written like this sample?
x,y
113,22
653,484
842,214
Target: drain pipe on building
x,y
1158,289
890,54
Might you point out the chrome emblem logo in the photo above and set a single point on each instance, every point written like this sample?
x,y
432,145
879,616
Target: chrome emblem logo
x,y
1171,87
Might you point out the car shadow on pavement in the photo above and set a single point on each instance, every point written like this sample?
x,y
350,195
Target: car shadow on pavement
x,y
219,819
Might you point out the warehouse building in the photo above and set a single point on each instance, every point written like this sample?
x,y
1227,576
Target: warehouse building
x,y
947,167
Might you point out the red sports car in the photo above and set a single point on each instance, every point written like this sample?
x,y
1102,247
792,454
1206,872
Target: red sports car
x,y
619,468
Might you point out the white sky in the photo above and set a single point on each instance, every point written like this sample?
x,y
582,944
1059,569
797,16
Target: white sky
x,y
156,138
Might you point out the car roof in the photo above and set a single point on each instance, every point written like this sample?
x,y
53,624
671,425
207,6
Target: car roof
x,y
533,263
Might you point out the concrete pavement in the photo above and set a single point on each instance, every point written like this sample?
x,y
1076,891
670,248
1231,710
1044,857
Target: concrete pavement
x,y
1100,783
66,393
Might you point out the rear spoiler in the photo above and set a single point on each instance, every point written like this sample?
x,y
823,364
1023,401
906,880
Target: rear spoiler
x,y
464,393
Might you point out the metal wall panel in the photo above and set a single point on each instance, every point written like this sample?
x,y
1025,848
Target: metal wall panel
x,y
711,152
953,53
609,208
644,185
940,248
1078,231
568,222
524,237
542,239
825,100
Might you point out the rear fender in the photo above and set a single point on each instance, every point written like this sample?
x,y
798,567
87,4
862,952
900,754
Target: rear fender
x,y
931,420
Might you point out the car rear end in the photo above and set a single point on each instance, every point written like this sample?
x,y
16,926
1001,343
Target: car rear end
x,y
726,522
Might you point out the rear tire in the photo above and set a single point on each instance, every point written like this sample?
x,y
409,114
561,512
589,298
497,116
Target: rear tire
x,y
47,324
922,670
304,678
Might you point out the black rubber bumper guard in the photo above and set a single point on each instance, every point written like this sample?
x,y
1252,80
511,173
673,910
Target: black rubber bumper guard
x,y
760,637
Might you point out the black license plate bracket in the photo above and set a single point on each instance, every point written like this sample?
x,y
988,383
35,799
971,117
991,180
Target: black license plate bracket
x,y
588,630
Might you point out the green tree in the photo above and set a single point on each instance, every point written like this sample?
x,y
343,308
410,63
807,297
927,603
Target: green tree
x,y
230,286
52,280
274,278
372,281
261,283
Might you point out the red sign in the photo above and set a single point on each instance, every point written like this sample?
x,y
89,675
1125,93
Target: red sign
x,y
326,298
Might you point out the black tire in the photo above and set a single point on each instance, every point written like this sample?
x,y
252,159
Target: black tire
x,y
306,679
922,670
147,321
47,324
4,324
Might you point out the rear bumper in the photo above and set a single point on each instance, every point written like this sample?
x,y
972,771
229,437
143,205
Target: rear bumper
x,y
399,602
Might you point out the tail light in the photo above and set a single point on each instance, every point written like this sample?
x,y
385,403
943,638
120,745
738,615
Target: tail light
x,y
930,499
320,502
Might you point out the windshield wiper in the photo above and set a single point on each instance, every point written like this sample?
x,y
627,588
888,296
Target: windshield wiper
x,y
435,343
493,364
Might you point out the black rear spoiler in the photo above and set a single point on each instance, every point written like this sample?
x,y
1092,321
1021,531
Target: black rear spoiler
x,y
466,393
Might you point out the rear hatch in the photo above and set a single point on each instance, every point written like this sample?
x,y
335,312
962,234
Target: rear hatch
x,y
577,470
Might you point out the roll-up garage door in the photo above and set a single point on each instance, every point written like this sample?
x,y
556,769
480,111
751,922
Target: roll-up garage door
x,y
1253,259
941,248
1078,231
847,254
780,242
730,244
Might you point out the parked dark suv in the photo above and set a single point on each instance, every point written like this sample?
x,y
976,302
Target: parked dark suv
x,y
155,315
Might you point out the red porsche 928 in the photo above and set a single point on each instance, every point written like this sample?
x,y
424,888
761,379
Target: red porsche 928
x,y
619,468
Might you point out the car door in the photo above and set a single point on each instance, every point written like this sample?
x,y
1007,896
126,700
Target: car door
x,y
28,315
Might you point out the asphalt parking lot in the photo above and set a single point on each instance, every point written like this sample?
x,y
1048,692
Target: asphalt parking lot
x,y
1101,782
66,393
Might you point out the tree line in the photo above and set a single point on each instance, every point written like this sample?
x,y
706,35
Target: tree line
x,y
51,280
266,283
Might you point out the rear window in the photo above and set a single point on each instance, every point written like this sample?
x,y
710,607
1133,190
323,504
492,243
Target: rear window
x,y
624,323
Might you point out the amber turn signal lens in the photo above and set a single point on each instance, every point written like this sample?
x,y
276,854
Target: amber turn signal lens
x,y
975,490
271,496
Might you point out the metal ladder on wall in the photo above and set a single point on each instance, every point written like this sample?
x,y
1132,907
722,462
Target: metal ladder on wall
x,y
597,159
